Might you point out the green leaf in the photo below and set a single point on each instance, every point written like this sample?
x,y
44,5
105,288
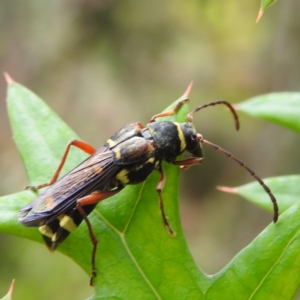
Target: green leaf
x,y
133,241
286,189
136,257
266,269
40,135
281,108
263,6
266,3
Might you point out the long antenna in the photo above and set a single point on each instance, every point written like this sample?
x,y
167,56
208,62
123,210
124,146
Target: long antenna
x,y
200,138
232,110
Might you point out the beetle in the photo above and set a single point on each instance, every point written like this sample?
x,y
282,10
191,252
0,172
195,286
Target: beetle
x,y
128,157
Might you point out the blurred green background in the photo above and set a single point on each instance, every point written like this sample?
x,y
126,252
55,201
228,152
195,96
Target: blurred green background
x,y
101,64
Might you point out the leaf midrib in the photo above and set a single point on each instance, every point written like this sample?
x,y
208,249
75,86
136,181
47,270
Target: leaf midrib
x,y
124,242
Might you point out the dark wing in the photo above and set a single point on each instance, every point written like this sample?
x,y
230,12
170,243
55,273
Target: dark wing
x,y
93,174
55,211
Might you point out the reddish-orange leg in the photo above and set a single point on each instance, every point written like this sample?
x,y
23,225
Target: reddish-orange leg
x,y
159,188
171,112
94,198
184,164
188,162
79,144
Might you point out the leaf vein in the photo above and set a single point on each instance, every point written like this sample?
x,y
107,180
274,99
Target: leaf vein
x,y
274,265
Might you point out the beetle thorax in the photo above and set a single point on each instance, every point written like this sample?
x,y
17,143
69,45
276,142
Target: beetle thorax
x,y
169,139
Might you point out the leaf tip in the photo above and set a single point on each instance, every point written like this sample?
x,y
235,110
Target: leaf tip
x,y
227,189
8,296
235,106
260,13
8,79
188,90
11,289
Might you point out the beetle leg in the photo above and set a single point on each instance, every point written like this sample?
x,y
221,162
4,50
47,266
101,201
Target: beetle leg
x,y
79,144
171,112
188,162
93,199
159,188
141,125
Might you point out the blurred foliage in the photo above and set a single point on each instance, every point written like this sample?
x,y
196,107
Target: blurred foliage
x,y
102,64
